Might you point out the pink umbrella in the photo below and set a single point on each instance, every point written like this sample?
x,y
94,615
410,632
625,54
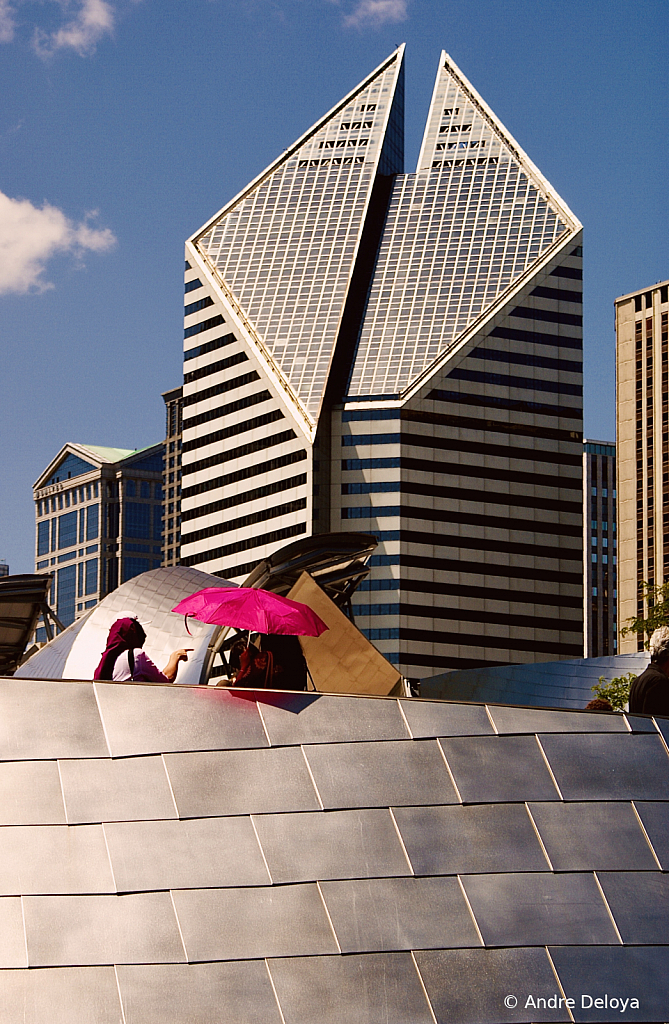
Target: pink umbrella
x,y
248,608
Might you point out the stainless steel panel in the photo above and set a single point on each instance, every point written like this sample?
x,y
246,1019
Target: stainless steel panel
x,y
380,774
12,934
232,993
318,718
470,986
193,854
30,793
149,719
123,789
537,909
241,782
655,818
53,859
663,728
334,844
379,989
525,720
89,930
589,836
448,840
639,904
399,913
632,767
427,718
638,723
49,719
622,971
492,769
72,995
244,924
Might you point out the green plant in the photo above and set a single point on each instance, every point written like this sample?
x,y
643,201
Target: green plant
x,y
617,692
657,599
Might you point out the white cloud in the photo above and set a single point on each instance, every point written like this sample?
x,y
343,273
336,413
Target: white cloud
x,y
6,22
30,236
93,20
377,13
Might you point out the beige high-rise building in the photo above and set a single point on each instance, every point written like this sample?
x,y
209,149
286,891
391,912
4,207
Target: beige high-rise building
x,y
642,414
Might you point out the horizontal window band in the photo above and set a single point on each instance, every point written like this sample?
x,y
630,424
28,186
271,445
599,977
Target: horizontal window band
x,y
525,359
243,521
204,325
559,294
238,453
460,566
244,474
508,404
209,346
409,512
491,593
221,389
466,422
226,410
245,569
421,611
505,381
445,662
220,364
459,493
537,338
233,430
241,499
245,545
513,476
472,447
548,315
570,272
502,643
195,307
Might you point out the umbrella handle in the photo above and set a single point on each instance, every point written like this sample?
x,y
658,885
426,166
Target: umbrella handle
x,y
186,624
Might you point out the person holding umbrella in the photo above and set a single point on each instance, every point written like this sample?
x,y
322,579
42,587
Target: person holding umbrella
x,y
123,658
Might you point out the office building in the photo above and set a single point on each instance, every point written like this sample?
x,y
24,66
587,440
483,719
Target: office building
x,y
600,584
4,568
98,522
642,415
172,475
398,354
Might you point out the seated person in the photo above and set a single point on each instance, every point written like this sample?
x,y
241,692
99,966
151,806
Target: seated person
x,y
649,693
123,658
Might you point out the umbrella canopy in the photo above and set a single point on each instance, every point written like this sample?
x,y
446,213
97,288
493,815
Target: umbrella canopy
x,y
248,608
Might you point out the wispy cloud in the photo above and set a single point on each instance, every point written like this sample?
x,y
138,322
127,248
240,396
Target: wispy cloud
x,y
93,20
6,22
376,13
30,236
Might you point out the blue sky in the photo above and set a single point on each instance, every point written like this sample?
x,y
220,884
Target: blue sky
x,y
126,124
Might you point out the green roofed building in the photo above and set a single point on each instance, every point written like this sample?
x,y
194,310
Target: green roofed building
x,y
99,522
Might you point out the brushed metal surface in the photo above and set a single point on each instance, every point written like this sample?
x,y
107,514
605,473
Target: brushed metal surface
x,y
491,769
224,993
469,986
527,720
538,909
587,836
119,789
49,719
322,718
194,854
639,723
67,995
380,774
655,818
399,913
331,844
449,840
241,782
89,930
244,924
662,725
428,718
383,988
54,859
30,793
615,971
12,934
639,904
590,767
150,719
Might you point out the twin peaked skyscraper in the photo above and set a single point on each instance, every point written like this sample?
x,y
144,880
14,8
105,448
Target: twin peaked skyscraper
x,y
402,350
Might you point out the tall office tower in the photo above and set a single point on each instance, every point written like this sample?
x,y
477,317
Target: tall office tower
x,y
172,475
600,583
398,354
642,415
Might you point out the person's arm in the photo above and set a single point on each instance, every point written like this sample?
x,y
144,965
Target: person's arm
x,y
172,666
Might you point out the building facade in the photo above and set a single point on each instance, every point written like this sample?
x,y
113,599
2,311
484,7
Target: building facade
x,y
172,475
98,522
642,423
398,354
600,580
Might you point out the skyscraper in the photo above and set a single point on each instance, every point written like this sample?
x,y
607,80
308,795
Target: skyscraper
x,y
400,354
642,424
600,579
